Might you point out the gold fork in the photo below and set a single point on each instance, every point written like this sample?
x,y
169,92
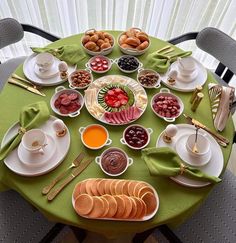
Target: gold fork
x,y
74,164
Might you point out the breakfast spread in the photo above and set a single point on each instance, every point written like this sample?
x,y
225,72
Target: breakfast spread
x,y
115,199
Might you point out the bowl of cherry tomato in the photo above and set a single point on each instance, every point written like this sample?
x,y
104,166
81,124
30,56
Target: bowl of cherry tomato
x,y
99,64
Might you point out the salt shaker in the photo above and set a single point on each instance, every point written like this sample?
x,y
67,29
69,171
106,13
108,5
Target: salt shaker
x,y
169,133
59,127
63,68
172,77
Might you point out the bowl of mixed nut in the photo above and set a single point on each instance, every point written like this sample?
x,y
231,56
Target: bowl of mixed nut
x,y
149,78
80,79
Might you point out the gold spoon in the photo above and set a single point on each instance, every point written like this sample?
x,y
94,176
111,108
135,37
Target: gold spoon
x,y
195,149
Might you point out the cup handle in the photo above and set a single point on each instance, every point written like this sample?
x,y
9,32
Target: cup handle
x,y
81,129
98,159
150,131
74,114
164,90
130,161
109,141
59,88
169,119
122,141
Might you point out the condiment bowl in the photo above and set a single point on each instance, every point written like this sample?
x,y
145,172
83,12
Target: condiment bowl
x,y
85,77
136,136
94,136
144,72
92,60
114,161
118,60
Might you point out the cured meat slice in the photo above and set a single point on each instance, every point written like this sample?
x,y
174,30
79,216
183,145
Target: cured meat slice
x,y
136,112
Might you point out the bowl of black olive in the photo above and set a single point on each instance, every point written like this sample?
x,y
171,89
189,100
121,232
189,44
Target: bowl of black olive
x,y
136,136
128,64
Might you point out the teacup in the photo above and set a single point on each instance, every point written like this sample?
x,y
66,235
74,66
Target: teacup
x,y
203,145
34,141
186,66
44,61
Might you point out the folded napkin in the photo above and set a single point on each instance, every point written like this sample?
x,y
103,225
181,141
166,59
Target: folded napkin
x,y
161,63
31,116
71,54
221,100
165,162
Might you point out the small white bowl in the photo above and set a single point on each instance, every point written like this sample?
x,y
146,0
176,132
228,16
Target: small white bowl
x,y
98,160
82,130
145,71
58,91
103,52
166,92
71,81
128,71
148,131
88,64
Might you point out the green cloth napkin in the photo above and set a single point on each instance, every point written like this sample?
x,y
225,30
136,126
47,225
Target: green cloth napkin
x,y
160,62
31,116
71,54
165,162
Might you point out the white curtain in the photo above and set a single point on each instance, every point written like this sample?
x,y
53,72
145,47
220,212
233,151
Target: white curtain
x,y
164,19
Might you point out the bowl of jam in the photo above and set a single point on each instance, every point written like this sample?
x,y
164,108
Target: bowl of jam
x,y
114,161
136,136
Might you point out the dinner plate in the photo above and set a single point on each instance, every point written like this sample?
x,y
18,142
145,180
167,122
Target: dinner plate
x,y
29,71
199,77
215,165
145,218
128,114
13,162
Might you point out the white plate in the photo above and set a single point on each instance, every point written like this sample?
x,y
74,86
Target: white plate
x,y
52,72
37,159
132,84
147,217
13,162
187,157
29,71
215,165
179,85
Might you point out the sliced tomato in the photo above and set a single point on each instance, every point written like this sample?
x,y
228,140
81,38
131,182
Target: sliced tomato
x,y
110,92
124,102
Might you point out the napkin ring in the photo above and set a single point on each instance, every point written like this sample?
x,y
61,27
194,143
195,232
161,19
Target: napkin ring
x,y
21,130
182,168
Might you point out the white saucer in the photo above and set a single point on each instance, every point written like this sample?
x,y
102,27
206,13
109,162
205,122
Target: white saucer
x,y
215,165
187,79
187,157
62,144
180,85
52,72
29,71
37,159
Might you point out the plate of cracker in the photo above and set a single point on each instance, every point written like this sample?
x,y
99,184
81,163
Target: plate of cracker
x,y
115,199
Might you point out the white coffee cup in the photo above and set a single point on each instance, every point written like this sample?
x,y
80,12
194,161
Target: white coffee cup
x,y
203,145
186,66
44,61
34,141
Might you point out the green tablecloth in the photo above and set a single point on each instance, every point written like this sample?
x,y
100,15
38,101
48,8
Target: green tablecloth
x,y
176,202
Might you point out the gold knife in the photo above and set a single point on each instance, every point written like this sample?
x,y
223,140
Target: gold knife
x,y
70,178
215,135
31,89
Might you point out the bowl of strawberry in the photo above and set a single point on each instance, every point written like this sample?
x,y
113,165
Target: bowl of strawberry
x,y
99,64
167,105
66,102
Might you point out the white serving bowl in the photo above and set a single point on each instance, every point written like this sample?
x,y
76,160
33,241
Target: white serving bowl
x,y
88,64
128,71
77,87
145,71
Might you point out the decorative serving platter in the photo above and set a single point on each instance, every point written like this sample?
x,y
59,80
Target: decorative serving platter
x,y
116,100
216,162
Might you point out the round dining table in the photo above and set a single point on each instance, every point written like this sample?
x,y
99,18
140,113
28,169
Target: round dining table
x,y
176,202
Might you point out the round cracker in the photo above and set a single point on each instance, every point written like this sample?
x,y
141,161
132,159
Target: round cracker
x,y
107,186
125,187
101,187
150,201
112,205
82,187
106,207
128,206
76,191
120,206
134,208
88,186
141,208
138,187
113,187
119,187
94,189
98,208
144,190
131,186
84,204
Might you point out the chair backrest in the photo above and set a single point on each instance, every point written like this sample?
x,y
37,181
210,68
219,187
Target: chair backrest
x,y
219,45
11,31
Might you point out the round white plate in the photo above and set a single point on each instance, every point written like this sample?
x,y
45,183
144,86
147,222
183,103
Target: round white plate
x,y
215,165
29,71
37,159
52,72
13,162
187,157
104,81
179,85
